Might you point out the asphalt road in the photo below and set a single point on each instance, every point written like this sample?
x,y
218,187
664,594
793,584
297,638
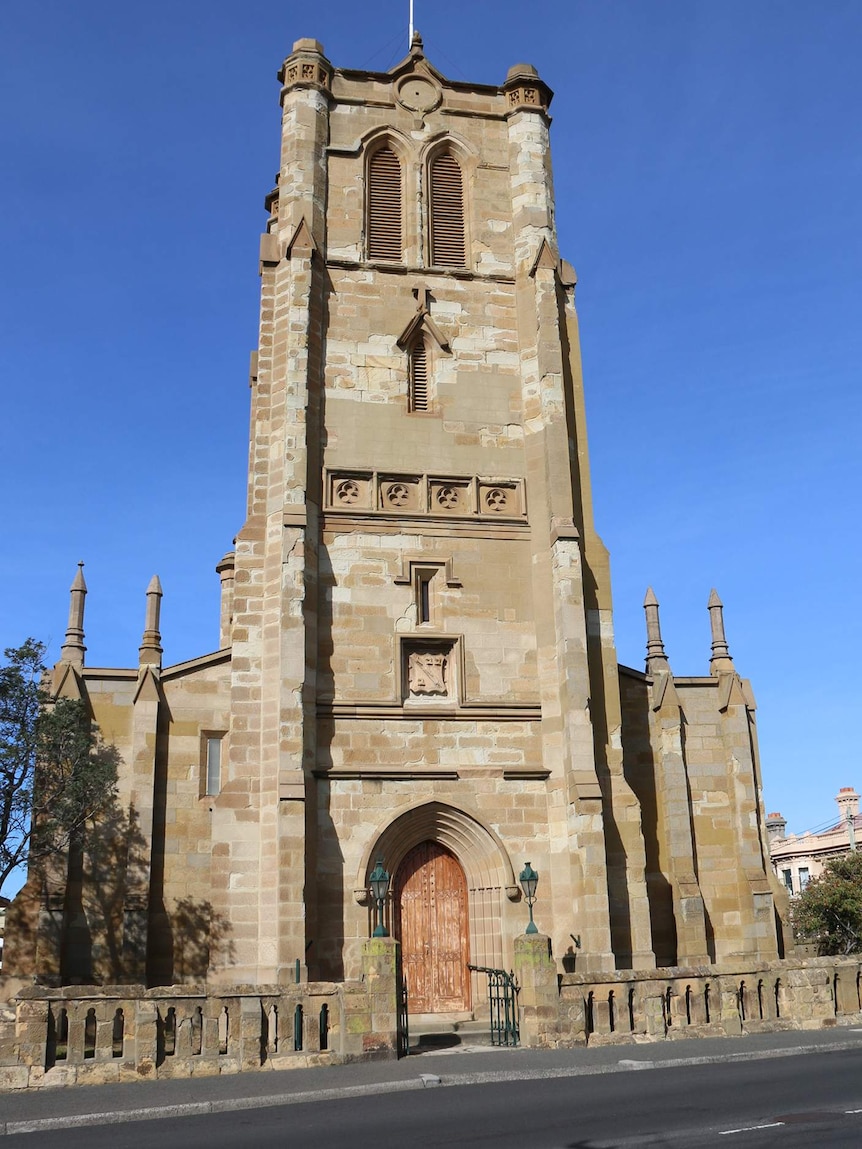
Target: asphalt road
x,y
802,1102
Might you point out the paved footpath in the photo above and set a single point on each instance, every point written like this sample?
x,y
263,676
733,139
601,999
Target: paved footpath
x,y
59,1108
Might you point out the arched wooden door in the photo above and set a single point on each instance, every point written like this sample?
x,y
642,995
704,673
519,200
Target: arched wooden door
x,y
431,924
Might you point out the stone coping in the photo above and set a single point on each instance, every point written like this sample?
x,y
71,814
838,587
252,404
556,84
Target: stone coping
x,y
196,990
737,968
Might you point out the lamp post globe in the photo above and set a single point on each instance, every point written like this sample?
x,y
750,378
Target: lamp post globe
x,y
378,880
529,879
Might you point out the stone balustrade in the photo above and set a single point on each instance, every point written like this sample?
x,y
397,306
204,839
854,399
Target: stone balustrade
x,y
99,1034
102,1034
667,1004
713,1000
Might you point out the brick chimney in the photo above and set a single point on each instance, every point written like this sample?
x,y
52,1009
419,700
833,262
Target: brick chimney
x,y
775,827
848,802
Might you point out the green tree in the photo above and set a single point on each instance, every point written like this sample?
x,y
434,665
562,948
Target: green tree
x,y
55,772
828,912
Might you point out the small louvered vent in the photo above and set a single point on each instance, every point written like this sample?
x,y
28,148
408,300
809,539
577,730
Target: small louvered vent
x,y
418,378
384,206
447,212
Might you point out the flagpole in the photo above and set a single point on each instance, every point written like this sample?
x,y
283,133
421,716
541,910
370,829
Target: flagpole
x,y
410,30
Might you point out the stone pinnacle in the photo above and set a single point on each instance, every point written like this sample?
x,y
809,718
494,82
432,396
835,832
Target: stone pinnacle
x,y
656,656
73,649
150,650
720,659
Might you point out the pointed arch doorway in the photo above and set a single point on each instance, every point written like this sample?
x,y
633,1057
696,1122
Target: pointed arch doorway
x,y
433,928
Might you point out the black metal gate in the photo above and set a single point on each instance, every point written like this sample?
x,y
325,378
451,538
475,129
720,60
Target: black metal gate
x,y
403,1022
503,1000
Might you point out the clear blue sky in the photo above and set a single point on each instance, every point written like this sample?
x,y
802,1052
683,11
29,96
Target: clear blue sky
x,y
709,188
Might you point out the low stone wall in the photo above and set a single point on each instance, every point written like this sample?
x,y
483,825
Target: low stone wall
x,y
102,1034
629,1006
98,1034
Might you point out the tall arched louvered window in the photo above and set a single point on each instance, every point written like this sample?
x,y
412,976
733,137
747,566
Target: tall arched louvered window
x,y
419,376
384,206
448,248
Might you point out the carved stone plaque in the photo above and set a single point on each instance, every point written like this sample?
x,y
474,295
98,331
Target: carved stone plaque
x,y
426,672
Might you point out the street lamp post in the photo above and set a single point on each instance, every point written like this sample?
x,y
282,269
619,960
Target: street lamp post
x,y
379,882
529,879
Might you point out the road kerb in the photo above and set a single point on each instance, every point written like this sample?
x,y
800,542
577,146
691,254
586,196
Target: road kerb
x,y
492,1077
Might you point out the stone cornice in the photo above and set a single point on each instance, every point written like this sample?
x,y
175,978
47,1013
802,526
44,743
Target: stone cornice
x,y
503,711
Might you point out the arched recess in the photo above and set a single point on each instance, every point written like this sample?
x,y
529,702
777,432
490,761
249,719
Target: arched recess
x,y
481,853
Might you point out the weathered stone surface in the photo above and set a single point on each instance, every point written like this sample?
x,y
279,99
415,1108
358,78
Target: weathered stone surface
x,y
14,1077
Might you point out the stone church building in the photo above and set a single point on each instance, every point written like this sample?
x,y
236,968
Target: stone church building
x,y
417,660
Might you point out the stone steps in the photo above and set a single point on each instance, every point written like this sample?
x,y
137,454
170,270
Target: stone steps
x,y
441,1034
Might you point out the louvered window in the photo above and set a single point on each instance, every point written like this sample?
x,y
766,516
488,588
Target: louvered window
x,y
418,377
384,206
447,212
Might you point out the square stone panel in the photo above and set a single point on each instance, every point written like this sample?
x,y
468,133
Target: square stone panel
x,y
500,499
350,490
450,497
399,493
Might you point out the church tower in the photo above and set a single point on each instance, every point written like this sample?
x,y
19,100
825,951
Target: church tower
x,y
423,665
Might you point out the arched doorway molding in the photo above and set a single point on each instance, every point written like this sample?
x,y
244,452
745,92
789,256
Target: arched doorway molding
x,y
483,857
480,851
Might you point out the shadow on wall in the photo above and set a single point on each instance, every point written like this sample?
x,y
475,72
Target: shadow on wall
x,y
640,768
124,933
98,926
191,936
326,959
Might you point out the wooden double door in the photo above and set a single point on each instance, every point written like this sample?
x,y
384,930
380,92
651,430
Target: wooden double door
x,y
432,926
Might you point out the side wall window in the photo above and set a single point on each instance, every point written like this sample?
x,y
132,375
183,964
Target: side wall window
x,y
448,247
212,752
385,226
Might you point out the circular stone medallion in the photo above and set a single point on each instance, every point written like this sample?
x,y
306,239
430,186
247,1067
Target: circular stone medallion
x,y
418,93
